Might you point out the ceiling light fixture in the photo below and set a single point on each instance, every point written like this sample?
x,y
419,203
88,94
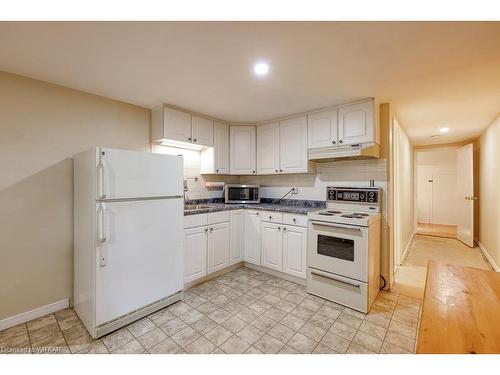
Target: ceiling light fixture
x,y
444,130
261,69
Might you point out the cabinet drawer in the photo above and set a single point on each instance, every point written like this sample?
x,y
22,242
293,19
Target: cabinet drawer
x,y
271,216
218,217
295,219
191,221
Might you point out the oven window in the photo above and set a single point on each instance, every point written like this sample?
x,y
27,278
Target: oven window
x,y
335,247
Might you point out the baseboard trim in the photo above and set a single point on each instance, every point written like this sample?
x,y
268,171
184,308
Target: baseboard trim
x,y
488,257
281,275
33,314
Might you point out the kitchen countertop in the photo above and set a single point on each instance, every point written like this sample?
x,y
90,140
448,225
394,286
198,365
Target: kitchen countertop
x,y
288,205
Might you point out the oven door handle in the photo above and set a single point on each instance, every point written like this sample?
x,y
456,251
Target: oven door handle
x,y
338,226
328,276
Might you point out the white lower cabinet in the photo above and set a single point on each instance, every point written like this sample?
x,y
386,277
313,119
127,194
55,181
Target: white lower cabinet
x,y
252,237
271,242
237,242
294,250
218,247
195,253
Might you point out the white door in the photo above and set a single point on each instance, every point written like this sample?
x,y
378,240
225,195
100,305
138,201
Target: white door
x,y
251,250
271,242
195,253
242,145
237,236
294,251
293,145
444,197
322,129
176,125
203,131
221,147
268,148
465,189
139,259
218,247
133,174
356,123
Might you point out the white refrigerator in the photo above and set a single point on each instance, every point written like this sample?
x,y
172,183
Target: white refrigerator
x,y
128,236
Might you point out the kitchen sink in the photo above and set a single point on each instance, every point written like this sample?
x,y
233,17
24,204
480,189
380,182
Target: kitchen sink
x,y
192,207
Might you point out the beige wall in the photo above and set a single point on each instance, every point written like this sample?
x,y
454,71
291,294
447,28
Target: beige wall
x,y
41,127
403,192
489,194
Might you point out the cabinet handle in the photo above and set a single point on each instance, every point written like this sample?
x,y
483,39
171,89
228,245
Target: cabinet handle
x,y
341,141
279,228
206,230
294,220
217,170
284,228
334,142
194,140
270,217
276,170
189,138
257,214
253,171
281,170
211,229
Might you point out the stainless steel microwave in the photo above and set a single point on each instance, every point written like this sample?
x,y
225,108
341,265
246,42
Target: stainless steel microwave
x,y
242,194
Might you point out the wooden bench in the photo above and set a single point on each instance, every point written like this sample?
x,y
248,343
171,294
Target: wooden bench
x,y
461,311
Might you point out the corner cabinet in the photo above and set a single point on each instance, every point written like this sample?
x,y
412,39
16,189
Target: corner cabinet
x,y
242,143
282,147
215,160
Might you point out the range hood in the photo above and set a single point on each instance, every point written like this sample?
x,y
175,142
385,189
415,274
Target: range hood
x,y
354,151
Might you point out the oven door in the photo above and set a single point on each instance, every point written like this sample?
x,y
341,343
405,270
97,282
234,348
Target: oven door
x,y
339,249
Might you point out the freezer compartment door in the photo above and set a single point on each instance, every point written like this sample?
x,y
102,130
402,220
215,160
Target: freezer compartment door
x,y
132,174
139,256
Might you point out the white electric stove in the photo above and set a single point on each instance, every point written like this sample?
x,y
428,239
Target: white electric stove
x,y
344,247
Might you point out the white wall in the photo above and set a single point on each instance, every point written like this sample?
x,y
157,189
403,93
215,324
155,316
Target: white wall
x,y
489,193
437,200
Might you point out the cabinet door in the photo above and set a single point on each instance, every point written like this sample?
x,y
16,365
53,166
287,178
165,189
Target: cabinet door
x,y
203,131
176,125
242,145
322,129
268,148
218,247
294,251
237,237
293,145
251,249
221,147
356,123
195,253
271,242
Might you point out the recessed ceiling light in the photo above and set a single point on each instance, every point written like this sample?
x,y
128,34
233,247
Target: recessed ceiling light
x,y
444,130
261,69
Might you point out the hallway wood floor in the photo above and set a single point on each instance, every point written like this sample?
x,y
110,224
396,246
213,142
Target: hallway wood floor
x,y
438,230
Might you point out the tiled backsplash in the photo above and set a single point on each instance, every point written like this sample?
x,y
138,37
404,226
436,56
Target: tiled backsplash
x,y
311,186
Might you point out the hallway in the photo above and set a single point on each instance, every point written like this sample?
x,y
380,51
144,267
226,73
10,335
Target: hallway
x,y
410,276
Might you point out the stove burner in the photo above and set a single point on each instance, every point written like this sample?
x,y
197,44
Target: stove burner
x,y
325,213
334,212
360,214
353,216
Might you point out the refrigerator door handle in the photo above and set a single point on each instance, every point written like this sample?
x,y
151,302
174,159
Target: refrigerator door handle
x,y
102,176
102,223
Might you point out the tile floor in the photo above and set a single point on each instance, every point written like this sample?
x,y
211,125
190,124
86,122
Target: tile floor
x,y
244,311
410,276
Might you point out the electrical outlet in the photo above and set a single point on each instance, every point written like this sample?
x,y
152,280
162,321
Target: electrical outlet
x,y
295,190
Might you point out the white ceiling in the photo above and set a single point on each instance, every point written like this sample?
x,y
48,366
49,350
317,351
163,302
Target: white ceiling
x,y
434,74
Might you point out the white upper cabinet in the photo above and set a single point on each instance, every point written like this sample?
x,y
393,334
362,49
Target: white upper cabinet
x,y
202,131
169,123
215,160
357,123
242,149
237,236
293,145
271,246
322,129
268,148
